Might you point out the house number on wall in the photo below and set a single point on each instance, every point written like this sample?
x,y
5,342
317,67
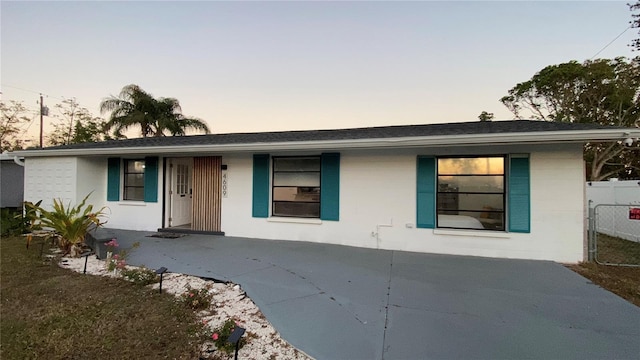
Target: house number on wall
x,y
225,178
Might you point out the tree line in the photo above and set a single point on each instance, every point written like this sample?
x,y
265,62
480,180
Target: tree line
x,y
73,124
600,91
603,91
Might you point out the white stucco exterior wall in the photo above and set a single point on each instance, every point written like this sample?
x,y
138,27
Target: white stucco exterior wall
x,y
50,178
136,215
91,179
378,207
377,203
72,178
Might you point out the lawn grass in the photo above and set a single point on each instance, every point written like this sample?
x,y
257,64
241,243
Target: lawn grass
x,y
614,250
51,313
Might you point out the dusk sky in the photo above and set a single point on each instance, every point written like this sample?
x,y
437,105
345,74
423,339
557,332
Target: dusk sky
x,y
266,66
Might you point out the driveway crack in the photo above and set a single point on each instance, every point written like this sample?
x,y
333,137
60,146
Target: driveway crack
x,y
252,271
294,298
320,291
386,307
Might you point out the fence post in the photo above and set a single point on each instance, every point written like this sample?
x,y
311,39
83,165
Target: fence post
x,y
591,234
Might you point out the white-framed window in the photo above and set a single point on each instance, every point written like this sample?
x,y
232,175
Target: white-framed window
x,y
133,185
296,187
182,179
471,192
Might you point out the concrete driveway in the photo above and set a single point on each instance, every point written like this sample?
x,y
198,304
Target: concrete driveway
x,y
337,302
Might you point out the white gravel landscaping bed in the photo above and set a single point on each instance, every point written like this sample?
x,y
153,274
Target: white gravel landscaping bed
x,y
229,301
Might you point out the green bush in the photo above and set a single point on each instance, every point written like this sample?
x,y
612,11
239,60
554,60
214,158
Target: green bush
x,y
12,222
140,276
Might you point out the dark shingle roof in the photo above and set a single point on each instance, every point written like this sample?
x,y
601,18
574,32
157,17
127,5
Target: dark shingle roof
x,y
464,128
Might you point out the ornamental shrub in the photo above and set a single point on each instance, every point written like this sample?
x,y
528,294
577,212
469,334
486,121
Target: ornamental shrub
x,y
222,333
197,299
118,261
140,276
71,224
12,222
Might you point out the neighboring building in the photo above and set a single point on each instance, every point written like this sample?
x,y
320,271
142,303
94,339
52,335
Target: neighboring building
x,y
512,189
11,182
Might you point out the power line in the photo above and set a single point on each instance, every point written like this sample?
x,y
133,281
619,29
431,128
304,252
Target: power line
x,y
611,42
33,118
41,111
32,91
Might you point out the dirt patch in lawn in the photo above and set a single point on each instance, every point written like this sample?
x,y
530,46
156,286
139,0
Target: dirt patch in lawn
x,y
623,281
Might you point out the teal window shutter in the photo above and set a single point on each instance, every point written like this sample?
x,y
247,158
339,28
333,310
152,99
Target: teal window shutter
x,y
113,179
330,187
426,192
519,195
260,185
151,179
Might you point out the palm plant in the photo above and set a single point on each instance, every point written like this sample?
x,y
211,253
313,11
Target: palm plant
x,y
170,119
70,224
136,107
133,107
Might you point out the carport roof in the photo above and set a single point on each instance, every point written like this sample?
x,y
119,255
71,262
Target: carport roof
x,y
464,133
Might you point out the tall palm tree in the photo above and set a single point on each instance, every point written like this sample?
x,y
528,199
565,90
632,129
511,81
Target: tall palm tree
x,y
135,107
170,119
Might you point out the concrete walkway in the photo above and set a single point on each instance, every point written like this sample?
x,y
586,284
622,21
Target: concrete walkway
x,y
337,302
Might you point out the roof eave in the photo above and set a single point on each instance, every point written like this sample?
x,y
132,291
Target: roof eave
x,y
545,137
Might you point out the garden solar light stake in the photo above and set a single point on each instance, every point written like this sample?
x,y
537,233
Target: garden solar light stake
x,y
234,338
85,255
161,272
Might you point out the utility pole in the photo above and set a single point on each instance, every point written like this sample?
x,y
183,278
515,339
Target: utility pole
x,y
44,111
41,122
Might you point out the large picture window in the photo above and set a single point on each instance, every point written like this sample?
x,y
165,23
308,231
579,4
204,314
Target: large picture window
x,y
471,193
296,187
133,188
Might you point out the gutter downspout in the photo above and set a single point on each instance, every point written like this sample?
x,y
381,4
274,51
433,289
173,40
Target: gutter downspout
x,y
17,161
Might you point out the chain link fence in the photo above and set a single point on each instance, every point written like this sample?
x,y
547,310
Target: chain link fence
x,y
614,234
